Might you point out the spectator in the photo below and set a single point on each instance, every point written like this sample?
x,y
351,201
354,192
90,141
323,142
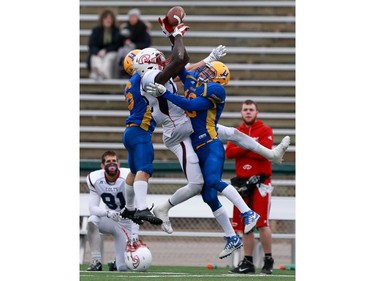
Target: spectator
x,y
253,178
104,43
135,34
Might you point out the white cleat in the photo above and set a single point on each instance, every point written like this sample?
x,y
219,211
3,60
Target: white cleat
x,y
162,214
250,219
279,151
233,243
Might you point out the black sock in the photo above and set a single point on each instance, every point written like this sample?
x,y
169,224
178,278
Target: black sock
x,y
268,255
249,258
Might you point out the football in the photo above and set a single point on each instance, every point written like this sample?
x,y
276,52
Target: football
x,y
176,15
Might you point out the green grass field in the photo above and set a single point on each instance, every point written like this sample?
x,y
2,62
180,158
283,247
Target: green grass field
x,y
180,273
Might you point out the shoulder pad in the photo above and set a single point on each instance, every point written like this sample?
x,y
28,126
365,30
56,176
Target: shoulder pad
x,y
96,175
216,92
149,77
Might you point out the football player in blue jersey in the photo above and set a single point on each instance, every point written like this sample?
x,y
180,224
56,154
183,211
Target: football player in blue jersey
x,y
204,102
137,139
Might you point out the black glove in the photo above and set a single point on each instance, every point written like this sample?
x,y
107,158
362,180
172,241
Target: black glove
x,y
242,186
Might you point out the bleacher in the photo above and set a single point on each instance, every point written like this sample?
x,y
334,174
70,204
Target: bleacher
x,y
260,41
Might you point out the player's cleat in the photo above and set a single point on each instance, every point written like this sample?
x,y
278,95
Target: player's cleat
x,y
125,213
163,215
112,266
95,266
245,266
279,151
268,265
250,218
146,215
233,243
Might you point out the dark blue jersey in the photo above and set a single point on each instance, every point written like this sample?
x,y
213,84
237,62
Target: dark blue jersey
x,y
204,104
140,111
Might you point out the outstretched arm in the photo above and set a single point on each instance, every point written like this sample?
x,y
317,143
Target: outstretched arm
x,y
177,63
196,104
216,54
179,57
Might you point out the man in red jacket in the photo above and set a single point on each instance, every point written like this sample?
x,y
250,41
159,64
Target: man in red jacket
x,y
253,178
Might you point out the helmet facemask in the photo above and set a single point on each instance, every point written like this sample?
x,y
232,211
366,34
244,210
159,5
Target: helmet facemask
x,y
214,72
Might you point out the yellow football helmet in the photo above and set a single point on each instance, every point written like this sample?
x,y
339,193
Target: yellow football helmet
x,y
215,71
128,61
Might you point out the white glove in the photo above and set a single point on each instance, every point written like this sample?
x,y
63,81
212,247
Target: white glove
x,y
264,189
216,54
113,215
155,89
180,30
165,26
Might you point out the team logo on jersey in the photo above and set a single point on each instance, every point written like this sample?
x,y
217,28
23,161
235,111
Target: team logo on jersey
x,y
247,167
202,136
111,189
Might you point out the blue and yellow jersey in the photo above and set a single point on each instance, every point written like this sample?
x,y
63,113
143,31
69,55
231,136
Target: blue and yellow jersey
x,y
140,111
203,104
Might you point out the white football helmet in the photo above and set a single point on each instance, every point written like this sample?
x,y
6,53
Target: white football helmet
x,y
138,258
148,59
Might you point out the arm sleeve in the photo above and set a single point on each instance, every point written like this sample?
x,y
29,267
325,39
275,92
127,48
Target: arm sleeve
x,y
196,104
182,75
94,201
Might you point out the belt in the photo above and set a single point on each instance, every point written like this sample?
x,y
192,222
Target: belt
x,y
202,144
131,125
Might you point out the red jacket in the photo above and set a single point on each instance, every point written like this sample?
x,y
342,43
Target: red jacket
x,y
249,163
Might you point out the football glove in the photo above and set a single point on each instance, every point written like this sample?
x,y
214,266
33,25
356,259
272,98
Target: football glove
x,y
114,215
254,180
165,26
155,89
180,30
216,54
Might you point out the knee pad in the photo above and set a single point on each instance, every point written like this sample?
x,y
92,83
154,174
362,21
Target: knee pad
x,y
214,204
215,184
93,220
211,199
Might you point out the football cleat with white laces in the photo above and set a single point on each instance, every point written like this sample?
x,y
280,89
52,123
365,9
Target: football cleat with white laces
x,y
250,218
233,243
162,214
279,151
95,266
